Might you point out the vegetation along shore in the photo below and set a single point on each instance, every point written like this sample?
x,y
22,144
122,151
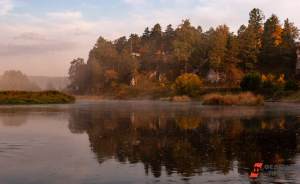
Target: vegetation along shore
x,y
24,98
189,62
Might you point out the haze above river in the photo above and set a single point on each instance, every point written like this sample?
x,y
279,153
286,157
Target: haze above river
x,y
116,142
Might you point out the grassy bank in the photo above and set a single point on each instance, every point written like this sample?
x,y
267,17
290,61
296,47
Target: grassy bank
x,y
244,99
293,97
45,97
210,95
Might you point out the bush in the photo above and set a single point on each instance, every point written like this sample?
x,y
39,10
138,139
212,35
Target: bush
x,y
269,87
280,82
248,99
188,84
25,97
272,86
181,99
251,82
291,86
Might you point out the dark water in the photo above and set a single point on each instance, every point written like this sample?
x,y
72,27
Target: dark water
x,y
148,142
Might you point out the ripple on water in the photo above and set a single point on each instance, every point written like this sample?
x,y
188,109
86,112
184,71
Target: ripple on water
x,y
10,149
18,148
14,148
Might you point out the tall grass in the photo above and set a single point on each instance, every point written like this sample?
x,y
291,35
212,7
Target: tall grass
x,y
25,97
243,99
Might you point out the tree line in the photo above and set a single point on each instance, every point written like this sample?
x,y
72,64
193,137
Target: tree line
x,y
218,55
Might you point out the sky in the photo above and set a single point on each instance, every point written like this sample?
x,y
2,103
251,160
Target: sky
x,y
41,37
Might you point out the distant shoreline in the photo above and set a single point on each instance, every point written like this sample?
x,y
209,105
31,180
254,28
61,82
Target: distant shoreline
x,y
35,98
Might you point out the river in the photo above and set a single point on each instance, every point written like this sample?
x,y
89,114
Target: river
x,y
135,142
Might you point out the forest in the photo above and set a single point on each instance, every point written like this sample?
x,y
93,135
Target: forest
x,y
183,59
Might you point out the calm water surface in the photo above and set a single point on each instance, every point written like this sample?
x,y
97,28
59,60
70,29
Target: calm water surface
x,y
116,142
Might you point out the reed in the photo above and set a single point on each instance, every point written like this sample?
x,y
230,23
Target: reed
x,y
243,99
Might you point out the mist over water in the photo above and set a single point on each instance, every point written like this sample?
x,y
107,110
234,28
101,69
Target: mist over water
x,y
148,142
149,92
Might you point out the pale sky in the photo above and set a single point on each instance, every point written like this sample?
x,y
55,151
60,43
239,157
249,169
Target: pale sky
x,y
41,37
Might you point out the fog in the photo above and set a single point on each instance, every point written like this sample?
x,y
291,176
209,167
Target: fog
x,y
45,64
17,81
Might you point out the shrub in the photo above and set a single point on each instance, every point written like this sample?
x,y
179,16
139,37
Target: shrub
x,y
281,81
25,97
272,85
269,87
188,84
181,99
248,99
291,86
251,82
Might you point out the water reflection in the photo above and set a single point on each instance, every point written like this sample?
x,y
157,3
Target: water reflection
x,y
13,117
16,116
187,139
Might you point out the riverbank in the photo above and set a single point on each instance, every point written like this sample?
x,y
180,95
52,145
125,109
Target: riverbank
x,y
31,98
289,97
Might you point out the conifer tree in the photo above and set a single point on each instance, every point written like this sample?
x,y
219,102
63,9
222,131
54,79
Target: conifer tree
x,y
272,39
250,42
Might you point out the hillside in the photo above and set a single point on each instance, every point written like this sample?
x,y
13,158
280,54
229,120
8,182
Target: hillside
x,y
17,81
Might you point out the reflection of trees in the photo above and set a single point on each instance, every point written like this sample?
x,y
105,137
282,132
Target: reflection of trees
x,y
13,117
18,115
187,142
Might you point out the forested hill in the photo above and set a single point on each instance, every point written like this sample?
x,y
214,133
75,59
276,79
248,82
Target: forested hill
x,y
17,81
218,56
